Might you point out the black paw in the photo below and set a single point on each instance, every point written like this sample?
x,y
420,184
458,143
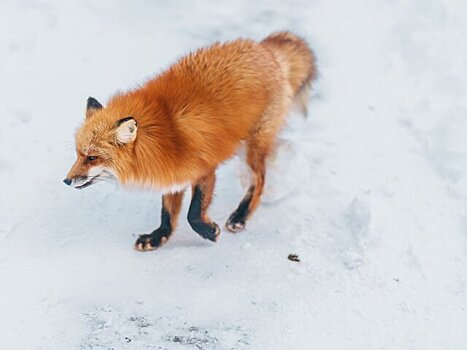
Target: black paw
x,y
235,223
150,242
206,230
213,232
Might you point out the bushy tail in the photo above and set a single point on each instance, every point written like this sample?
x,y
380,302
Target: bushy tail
x,y
298,63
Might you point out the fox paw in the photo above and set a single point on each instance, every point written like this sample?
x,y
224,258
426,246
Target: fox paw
x,y
146,243
209,231
235,227
235,223
212,233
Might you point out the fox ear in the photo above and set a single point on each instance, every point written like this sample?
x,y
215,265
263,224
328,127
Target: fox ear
x,y
126,130
92,106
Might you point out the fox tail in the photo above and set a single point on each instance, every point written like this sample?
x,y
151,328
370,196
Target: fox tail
x,y
298,64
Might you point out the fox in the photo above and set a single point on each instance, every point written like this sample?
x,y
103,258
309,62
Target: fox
x,y
176,129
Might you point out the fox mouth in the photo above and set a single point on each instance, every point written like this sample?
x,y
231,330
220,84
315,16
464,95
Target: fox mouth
x,y
88,183
103,175
97,175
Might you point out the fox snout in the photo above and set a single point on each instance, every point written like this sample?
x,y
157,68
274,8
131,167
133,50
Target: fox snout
x,y
83,176
79,181
78,175
75,181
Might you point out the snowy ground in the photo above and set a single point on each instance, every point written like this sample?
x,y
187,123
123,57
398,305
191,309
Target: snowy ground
x,y
379,221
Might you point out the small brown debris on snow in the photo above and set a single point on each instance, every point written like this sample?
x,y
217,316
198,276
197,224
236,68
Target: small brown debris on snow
x,y
293,257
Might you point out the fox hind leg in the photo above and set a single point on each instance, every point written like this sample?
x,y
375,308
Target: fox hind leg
x,y
197,213
256,160
171,204
259,147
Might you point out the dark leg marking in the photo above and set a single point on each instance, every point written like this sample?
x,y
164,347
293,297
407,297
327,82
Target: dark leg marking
x,y
171,204
157,237
196,217
237,219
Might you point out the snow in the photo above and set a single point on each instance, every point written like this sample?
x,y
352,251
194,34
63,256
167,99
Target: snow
x,y
374,199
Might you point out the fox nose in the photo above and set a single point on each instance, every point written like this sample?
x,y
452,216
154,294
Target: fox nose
x,y
67,181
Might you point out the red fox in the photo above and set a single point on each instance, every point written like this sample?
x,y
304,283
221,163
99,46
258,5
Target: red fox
x,y
176,129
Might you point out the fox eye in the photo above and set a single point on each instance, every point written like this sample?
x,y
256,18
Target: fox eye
x,y
91,158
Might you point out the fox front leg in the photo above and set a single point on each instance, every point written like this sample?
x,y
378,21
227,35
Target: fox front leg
x,y
171,204
200,201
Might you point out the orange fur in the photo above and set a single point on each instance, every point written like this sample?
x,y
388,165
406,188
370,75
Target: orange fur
x,y
194,116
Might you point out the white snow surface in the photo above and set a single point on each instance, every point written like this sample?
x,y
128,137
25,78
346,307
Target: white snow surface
x,y
374,199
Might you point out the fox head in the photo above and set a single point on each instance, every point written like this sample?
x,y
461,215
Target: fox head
x,y
102,142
